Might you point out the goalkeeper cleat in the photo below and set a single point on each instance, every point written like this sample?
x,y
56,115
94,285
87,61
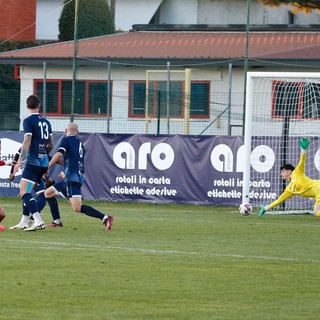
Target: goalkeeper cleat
x,y
19,226
2,228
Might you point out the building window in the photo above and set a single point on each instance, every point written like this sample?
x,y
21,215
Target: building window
x,y
91,97
156,99
296,100
291,18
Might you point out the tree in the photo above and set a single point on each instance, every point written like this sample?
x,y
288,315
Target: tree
x,y
305,6
94,19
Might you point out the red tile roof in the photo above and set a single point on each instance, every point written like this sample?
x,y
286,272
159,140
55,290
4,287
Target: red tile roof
x,y
180,46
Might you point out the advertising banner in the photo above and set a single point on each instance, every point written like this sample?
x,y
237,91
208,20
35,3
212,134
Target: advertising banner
x,y
161,169
170,169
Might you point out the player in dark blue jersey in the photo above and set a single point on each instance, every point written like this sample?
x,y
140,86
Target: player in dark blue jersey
x,y
38,190
72,150
37,143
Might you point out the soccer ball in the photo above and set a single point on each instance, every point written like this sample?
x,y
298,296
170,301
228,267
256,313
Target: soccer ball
x,y
245,209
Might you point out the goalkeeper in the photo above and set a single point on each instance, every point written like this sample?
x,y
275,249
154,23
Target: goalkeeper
x,y
299,183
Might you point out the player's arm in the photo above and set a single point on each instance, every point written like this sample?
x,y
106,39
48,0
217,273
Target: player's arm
x,y
55,159
5,163
15,160
24,149
283,197
304,144
50,144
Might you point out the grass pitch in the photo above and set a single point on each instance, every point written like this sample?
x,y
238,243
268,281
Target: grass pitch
x,y
161,262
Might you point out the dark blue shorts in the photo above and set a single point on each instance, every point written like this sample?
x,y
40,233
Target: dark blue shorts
x,y
73,189
33,173
39,188
61,187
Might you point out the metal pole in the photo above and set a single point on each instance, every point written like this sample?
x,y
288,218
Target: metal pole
x,y
44,99
246,65
187,98
108,97
159,112
229,99
74,62
147,105
168,97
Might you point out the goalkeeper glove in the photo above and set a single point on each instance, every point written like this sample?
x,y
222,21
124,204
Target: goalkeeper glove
x,y
304,143
262,211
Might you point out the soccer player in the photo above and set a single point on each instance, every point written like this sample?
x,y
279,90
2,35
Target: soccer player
x,y
37,143
2,212
38,189
299,183
2,216
73,152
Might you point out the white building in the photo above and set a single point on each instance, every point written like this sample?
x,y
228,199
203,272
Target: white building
x,y
139,63
215,12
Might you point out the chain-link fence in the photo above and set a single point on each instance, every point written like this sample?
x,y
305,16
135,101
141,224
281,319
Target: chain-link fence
x,y
113,98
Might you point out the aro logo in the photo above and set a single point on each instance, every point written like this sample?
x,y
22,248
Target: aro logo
x,y
222,158
124,156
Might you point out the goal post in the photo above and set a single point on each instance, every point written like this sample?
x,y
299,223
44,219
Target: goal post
x,y
281,107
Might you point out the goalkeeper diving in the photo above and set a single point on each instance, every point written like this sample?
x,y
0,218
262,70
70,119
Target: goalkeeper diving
x,y
299,183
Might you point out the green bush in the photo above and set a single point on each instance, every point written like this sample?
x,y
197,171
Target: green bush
x,y
94,19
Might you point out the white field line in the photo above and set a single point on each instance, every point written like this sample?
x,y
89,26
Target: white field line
x,y
67,246
253,222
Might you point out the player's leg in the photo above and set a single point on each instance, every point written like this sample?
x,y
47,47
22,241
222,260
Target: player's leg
x,y
41,201
26,187
316,209
31,175
74,190
2,216
50,194
40,198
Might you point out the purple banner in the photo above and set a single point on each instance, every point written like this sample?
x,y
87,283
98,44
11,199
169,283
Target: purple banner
x,y
170,169
165,168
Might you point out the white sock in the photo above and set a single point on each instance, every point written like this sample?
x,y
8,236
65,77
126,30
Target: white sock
x,y
37,218
24,220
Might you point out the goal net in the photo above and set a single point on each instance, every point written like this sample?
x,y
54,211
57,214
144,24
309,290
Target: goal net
x,y
280,109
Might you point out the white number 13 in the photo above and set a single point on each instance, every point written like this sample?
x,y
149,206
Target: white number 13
x,y
44,130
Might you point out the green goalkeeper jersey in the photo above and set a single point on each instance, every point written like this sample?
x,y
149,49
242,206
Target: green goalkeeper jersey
x,y
300,185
